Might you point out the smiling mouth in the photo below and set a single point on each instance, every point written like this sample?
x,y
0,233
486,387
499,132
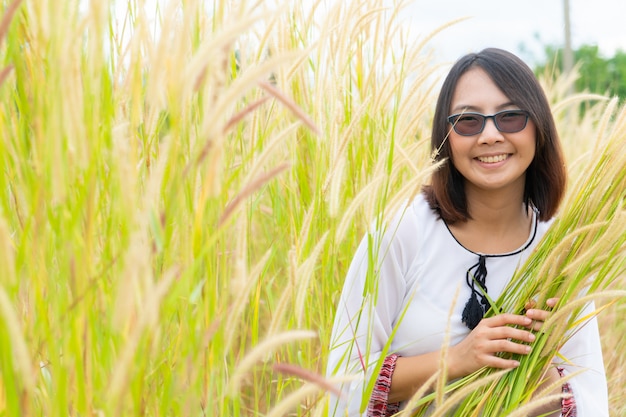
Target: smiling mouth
x,y
492,159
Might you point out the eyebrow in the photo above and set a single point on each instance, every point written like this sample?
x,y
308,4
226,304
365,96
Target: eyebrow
x,y
464,108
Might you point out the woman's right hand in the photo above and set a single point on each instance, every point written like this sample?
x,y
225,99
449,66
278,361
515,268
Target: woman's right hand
x,y
492,335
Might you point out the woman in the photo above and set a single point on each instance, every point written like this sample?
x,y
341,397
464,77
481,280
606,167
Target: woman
x,y
425,276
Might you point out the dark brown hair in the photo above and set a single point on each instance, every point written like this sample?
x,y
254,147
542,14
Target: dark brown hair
x,y
546,175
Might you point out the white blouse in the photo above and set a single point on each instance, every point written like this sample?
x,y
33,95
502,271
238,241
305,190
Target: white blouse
x,y
420,267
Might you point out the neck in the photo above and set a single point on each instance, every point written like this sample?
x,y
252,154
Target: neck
x,y
500,222
497,210
498,215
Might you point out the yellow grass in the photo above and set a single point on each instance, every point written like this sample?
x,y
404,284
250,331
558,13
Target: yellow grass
x,y
183,188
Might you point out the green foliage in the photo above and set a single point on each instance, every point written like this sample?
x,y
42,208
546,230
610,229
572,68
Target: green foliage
x,y
597,74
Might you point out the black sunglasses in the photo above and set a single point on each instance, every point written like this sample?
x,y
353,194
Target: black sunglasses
x,y
506,121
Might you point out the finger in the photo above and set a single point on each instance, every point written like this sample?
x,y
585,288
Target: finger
x,y
510,333
535,326
552,302
538,315
538,318
508,346
530,304
500,363
507,319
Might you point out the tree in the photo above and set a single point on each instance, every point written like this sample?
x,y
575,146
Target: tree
x,y
597,74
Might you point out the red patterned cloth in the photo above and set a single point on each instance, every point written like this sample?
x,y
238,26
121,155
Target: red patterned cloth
x,y
568,405
379,405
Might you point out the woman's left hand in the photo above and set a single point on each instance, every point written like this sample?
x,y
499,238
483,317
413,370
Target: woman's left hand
x,y
539,316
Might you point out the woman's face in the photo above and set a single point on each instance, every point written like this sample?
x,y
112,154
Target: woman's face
x,y
489,160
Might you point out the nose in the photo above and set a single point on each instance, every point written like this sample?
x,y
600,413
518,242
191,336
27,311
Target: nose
x,y
490,133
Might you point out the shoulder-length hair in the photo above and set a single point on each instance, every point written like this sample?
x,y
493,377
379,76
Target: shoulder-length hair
x,y
546,175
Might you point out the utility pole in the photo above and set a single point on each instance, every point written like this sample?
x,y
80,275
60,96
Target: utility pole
x,y
568,58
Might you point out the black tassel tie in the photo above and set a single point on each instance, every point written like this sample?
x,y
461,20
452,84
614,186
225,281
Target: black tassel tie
x,y
474,309
476,277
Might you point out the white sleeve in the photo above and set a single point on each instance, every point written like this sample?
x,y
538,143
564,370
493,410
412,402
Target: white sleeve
x,y
583,351
372,296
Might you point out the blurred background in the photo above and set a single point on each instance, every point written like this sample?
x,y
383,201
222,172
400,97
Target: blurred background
x,y
525,28
546,34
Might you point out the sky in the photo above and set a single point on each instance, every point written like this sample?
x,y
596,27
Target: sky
x,y
522,27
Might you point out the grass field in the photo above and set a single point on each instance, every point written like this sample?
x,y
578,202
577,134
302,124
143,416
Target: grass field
x,y
183,187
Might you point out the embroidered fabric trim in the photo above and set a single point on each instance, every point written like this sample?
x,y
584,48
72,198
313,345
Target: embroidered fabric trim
x,y
379,405
568,405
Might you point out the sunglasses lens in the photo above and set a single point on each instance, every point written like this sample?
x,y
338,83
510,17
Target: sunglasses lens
x,y
508,121
511,121
468,124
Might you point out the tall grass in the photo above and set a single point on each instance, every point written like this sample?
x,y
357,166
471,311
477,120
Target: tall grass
x,y
183,186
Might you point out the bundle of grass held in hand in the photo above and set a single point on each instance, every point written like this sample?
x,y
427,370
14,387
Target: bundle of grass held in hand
x,y
579,257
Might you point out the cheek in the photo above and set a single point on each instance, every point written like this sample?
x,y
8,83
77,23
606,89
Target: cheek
x,y
531,148
458,147
532,139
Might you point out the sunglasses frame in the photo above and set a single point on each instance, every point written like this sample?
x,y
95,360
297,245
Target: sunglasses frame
x,y
452,119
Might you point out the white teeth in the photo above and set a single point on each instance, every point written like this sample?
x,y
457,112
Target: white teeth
x,y
492,159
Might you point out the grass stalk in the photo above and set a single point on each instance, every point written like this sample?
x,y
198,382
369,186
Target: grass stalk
x,y
179,178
